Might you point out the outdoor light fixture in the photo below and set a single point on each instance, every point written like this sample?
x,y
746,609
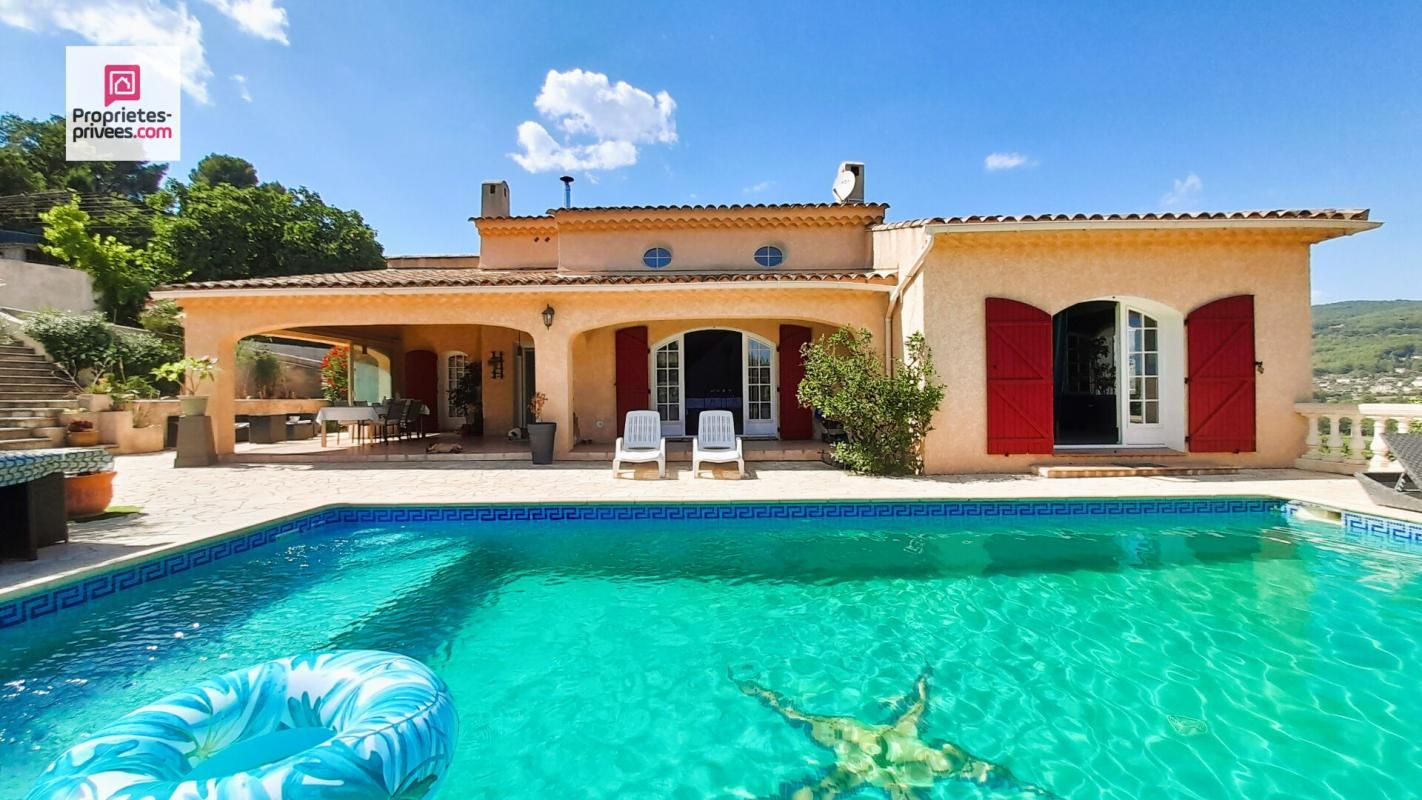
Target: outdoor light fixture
x,y
548,317
496,364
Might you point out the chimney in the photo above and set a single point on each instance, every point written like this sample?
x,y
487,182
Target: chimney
x,y
494,199
567,191
849,183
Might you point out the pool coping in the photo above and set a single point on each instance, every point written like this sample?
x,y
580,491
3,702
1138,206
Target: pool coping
x,y
44,596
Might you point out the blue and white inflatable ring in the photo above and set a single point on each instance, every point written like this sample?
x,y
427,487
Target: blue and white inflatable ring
x,y
355,725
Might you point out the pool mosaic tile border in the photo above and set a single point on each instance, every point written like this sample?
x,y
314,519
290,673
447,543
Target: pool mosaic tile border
x,y
76,593
1389,534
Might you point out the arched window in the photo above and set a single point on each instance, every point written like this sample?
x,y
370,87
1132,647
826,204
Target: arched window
x,y
769,256
657,257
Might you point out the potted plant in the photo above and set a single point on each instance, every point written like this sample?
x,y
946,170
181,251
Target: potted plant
x,y
81,433
540,433
190,373
88,494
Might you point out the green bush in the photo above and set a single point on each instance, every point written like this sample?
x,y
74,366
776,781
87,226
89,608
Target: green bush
x,y
75,341
162,316
139,353
885,413
262,365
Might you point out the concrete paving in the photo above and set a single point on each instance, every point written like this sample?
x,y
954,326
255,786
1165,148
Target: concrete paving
x,y
181,506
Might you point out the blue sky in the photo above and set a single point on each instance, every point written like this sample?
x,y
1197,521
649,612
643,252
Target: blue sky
x,y
400,110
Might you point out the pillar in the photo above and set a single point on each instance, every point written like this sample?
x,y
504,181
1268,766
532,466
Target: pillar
x,y
554,378
222,389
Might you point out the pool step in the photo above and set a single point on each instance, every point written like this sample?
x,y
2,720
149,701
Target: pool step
x,y
1128,470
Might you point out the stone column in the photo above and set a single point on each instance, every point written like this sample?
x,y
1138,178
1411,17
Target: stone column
x,y
203,340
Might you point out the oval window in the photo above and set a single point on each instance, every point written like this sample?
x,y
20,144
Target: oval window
x,y
769,256
657,257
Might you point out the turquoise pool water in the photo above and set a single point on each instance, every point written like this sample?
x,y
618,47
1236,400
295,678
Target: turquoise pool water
x,y
1122,657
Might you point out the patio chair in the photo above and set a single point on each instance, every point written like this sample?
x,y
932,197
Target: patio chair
x,y
717,442
1398,489
394,419
414,420
641,441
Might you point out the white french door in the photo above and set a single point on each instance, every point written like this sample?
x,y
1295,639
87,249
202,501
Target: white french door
x,y
668,379
1142,370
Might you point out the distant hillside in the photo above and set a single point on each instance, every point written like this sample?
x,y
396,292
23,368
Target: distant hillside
x,y
1368,350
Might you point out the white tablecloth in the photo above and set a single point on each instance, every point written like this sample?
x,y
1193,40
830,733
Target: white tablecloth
x,y
348,414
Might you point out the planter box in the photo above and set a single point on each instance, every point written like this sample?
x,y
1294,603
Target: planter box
x,y
113,424
89,438
148,439
94,402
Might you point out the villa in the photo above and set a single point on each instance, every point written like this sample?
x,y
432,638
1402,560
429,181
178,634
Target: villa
x,y
1057,336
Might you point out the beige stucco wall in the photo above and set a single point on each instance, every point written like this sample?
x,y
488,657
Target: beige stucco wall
x,y
215,323
730,250
1052,271
31,287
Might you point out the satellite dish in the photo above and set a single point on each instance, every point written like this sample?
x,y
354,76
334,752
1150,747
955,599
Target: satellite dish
x,y
844,186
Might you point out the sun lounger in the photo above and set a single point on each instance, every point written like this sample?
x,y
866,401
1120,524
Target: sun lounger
x,y
717,442
641,442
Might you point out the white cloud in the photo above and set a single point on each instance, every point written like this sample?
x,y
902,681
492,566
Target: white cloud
x,y
759,187
242,90
602,123
1185,193
262,18
121,22
1000,161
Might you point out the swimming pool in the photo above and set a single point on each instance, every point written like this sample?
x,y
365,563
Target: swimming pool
x,y
1095,649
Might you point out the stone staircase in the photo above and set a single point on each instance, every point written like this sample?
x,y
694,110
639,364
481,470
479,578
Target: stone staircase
x,y
32,393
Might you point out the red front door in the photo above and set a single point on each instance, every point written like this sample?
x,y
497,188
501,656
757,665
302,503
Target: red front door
x,y
421,378
1019,378
632,373
1219,338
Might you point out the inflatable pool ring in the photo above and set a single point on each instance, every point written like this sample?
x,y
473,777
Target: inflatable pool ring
x,y
376,725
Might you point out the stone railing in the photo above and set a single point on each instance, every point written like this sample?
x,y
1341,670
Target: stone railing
x,y
1348,438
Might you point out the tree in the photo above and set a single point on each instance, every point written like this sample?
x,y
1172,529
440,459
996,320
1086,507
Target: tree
x,y
223,232
217,168
39,146
122,274
886,413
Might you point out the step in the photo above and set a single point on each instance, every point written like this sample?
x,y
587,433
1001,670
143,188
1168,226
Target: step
x,y
47,396
11,434
16,360
44,404
26,369
25,384
25,444
1128,470
15,349
26,422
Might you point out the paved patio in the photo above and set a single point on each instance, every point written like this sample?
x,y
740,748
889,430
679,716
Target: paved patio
x,y
183,506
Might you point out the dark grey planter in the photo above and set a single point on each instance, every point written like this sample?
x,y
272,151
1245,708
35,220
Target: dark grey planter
x,y
540,441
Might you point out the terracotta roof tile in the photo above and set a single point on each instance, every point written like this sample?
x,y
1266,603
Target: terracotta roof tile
x,y
1340,214
455,278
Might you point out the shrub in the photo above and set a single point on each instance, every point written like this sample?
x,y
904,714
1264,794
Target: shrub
x,y
162,316
75,341
139,353
189,373
262,366
335,375
885,413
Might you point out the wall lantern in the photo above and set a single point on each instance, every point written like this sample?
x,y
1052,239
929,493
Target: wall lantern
x,y
548,317
496,364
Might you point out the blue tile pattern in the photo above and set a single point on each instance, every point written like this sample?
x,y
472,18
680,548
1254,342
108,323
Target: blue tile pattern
x,y
22,466
1389,534
81,591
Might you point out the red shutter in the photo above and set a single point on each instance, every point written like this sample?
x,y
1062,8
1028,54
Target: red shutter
x,y
632,371
796,421
1220,345
1019,378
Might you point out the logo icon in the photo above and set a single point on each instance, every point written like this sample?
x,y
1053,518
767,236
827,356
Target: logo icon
x,y
120,83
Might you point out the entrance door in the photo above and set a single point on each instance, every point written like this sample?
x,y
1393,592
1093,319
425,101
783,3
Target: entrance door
x,y
710,370
1142,420
421,378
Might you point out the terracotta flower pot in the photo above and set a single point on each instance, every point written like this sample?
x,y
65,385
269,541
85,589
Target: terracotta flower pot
x,y
88,495
89,438
193,405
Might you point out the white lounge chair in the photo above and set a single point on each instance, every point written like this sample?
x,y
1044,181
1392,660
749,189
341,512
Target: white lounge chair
x,y
641,441
716,442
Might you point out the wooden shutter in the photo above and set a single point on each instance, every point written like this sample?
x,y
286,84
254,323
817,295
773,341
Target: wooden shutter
x,y
1019,378
796,422
632,372
1219,338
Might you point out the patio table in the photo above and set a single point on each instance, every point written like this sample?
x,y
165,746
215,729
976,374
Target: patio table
x,y
32,495
360,415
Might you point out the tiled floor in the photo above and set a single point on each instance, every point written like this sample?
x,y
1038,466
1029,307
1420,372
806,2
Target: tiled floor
x,y
347,449
182,506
